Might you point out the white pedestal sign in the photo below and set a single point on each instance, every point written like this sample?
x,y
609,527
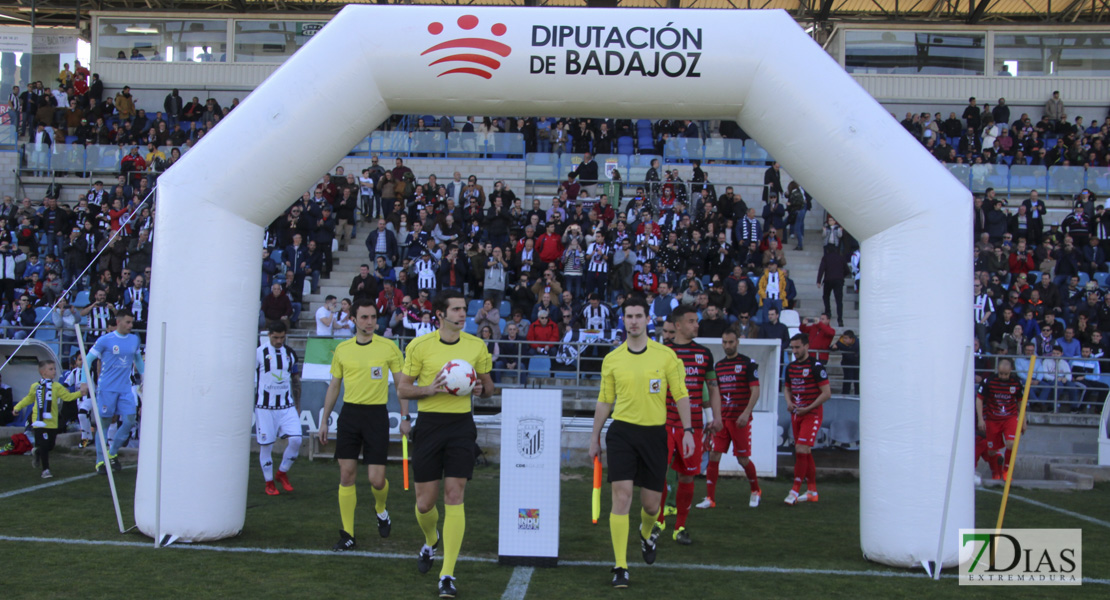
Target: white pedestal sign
x,y
528,524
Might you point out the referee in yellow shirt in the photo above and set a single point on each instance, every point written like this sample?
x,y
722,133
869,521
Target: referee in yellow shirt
x,y
444,437
363,363
635,379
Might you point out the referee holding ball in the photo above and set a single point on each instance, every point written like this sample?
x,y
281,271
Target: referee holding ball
x,y
444,437
635,379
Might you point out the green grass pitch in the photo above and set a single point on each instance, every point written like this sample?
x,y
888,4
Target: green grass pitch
x,y
773,536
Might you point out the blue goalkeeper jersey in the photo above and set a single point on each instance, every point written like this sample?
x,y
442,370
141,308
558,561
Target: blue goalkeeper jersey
x,y
118,354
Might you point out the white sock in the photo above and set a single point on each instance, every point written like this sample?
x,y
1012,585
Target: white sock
x,y
291,453
264,453
86,425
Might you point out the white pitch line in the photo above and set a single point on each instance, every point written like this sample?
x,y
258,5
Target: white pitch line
x,y
518,584
1062,511
478,559
43,486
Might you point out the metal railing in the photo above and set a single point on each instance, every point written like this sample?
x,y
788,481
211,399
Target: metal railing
x,y
1077,393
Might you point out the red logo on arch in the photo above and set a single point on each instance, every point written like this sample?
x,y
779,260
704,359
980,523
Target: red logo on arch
x,y
458,61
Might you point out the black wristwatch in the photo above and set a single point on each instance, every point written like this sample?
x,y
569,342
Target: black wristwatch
x,y
690,429
406,418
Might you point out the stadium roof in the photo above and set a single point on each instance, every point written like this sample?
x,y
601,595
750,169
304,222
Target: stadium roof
x,y
1039,12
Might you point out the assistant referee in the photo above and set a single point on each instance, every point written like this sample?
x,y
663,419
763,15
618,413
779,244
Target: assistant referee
x,y
635,379
363,363
443,439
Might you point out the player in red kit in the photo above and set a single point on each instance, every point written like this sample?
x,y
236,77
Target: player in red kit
x,y
996,405
738,380
806,388
698,363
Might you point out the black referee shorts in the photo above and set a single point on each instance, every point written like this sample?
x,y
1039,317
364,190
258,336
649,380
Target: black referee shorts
x,y
639,453
443,446
365,428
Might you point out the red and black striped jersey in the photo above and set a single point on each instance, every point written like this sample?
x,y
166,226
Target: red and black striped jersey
x,y
736,376
804,379
698,363
1001,397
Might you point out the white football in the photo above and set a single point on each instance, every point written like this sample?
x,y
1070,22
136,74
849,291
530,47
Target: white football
x,y
461,377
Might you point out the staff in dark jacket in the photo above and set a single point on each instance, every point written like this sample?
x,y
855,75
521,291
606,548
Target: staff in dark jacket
x,y
830,277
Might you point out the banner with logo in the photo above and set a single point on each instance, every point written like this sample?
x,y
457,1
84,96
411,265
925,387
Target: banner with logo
x,y
528,532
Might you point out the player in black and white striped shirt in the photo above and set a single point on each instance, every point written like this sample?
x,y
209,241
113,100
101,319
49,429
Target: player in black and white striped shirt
x,y
276,410
983,308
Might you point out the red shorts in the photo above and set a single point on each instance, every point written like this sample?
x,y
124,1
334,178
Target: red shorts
x,y
740,437
683,466
806,426
980,448
999,432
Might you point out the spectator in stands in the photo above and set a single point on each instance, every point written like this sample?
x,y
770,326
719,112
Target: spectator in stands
x,y
277,306
489,315
772,329
543,330
848,347
820,334
325,316
712,324
1056,375
830,277
1054,109
772,182
772,289
382,243
1094,259
1069,345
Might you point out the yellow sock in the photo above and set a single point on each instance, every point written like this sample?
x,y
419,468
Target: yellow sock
x,y
347,501
428,522
379,497
618,529
454,526
647,522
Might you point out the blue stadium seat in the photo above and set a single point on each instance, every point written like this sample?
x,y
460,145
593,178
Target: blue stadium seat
x,y
473,308
506,309
539,366
1100,277
502,323
471,326
82,299
625,145
46,333
1033,277
1083,278
645,142
42,313
276,255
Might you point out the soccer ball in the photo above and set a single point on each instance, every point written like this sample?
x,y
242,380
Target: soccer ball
x,y
460,377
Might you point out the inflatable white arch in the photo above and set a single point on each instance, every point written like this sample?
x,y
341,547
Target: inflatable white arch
x,y
756,67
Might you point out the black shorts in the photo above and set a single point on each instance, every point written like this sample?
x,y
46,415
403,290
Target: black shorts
x,y
639,453
443,446
365,428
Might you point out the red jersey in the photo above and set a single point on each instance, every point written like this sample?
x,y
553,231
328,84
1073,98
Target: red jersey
x,y
1001,397
736,376
804,379
698,363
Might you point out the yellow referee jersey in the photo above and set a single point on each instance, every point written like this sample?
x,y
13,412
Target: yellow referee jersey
x,y
425,357
364,369
637,383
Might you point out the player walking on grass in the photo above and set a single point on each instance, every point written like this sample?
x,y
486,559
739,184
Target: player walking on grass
x,y
46,397
738,378
996,407
363,363
72,379
635,380
697,363
443,439
276,411
806,388
118,352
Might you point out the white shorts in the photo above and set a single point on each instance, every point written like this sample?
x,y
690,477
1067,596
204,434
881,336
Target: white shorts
x,y
272,425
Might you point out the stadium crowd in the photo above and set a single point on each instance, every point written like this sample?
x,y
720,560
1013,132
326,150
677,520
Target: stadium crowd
x,y
1040,283
543,279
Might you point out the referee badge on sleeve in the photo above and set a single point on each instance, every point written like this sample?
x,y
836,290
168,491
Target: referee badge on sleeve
x,y
375,372
655,385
